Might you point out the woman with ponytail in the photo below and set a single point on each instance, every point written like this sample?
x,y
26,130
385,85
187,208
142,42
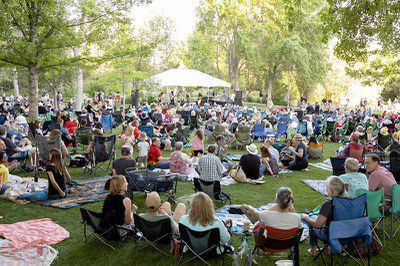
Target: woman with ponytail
x,y
281,215
335,188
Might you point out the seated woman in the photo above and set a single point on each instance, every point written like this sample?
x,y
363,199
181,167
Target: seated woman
x,y
286,156
335,188
300,161
118,203
155,210
179,162
282,215
201,217
314,148
269,163
58,176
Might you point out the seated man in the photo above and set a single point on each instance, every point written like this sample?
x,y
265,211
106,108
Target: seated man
x,y
221,147
251,162
352,178
154,157
380,177
121,164
210,167
156,211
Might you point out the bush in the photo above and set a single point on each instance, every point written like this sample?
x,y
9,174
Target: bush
x,y
253,97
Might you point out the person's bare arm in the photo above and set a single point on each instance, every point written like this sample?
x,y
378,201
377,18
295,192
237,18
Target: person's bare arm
x,y
319,223
128,210
67,175
114,173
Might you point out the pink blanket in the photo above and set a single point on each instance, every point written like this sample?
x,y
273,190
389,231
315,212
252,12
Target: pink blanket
x,y
31,233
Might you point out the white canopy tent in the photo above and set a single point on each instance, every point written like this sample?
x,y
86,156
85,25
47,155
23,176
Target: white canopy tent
x,y
183,77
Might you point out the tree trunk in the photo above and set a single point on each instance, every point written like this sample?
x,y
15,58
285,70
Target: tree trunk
x,y
33,92
271,78
79,83
15,83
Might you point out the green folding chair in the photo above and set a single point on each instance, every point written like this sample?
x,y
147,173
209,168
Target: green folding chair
x,y
395,209
375,211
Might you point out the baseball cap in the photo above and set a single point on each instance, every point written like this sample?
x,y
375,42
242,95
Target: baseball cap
x,y
125,151
153,201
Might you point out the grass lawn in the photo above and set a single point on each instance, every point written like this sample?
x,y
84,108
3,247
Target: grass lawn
x,y
73,251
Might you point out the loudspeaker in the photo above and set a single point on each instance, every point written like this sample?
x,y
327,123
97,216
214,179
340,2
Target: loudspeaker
x,y
135,98
238,98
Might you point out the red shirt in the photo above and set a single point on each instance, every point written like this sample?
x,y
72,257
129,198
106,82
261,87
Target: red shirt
x,y
136,133
153,155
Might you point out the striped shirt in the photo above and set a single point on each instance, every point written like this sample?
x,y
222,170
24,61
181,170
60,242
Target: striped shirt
x,y
210,167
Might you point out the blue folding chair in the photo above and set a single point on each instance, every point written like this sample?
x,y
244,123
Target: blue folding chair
x,y
107,122
282,130
302,128
149,130
348,226
259,131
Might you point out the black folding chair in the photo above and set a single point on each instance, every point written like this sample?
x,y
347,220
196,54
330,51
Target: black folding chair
x,y
102,227
338,165
154,232
103,154
384,141
212,189
203,244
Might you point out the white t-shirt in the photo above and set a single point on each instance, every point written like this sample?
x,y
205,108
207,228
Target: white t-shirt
x,y
274,152
143,148
280,220
128,142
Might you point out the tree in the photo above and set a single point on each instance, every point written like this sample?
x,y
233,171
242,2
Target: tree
x,y
33,32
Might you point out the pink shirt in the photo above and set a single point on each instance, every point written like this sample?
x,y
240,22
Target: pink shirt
x,y
382,178
197,144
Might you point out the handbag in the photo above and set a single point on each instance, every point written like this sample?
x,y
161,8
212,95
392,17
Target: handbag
x,y
237,174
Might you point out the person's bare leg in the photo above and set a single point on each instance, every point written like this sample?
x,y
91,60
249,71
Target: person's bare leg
x,y
180,210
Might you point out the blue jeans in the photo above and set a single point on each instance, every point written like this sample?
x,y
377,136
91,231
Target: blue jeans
x,y
163,165
317,234
263,167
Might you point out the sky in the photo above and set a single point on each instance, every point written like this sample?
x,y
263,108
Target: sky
x,y
182,13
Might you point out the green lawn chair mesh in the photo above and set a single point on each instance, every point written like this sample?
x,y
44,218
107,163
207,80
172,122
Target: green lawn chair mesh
x,y
375,211
83,136
242,137
394,210
218,130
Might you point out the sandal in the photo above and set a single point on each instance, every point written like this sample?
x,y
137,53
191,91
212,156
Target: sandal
x,y
312,253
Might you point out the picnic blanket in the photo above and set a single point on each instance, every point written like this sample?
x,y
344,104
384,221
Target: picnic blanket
x,y
28,234
83,191
239,219
325,165
20,185
233,157
40,255
317,185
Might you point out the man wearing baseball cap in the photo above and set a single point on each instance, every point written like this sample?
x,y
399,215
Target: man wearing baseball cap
x,y
155,210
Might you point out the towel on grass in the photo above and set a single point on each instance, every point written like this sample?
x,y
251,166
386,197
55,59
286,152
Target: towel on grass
x,y
28,234
317,185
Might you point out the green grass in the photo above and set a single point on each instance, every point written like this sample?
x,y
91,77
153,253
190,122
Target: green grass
x,y
73,251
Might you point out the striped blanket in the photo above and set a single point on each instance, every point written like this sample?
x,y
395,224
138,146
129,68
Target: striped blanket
x,y
317,185
83,191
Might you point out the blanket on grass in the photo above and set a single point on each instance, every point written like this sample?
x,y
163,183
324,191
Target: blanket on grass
x,y
317,185
325,165
83,191
40,255
28,234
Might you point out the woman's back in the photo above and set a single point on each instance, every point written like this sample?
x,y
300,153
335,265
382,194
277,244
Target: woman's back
x,y
58,177
280,220
114,203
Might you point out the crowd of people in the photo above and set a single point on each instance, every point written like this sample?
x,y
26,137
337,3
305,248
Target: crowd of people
x,y
170,127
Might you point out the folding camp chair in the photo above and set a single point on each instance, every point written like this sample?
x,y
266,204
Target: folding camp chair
x,y
384,142
242,137
218,130
202,244
83,136
329,130
118,119
107,121
350,127
103,154
395,165
395,209
21,157
282,131
158,231
338,165
145,181
212,189
149,130
44,145
302,128
349,224
276,241
376,211
259,131
103,227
